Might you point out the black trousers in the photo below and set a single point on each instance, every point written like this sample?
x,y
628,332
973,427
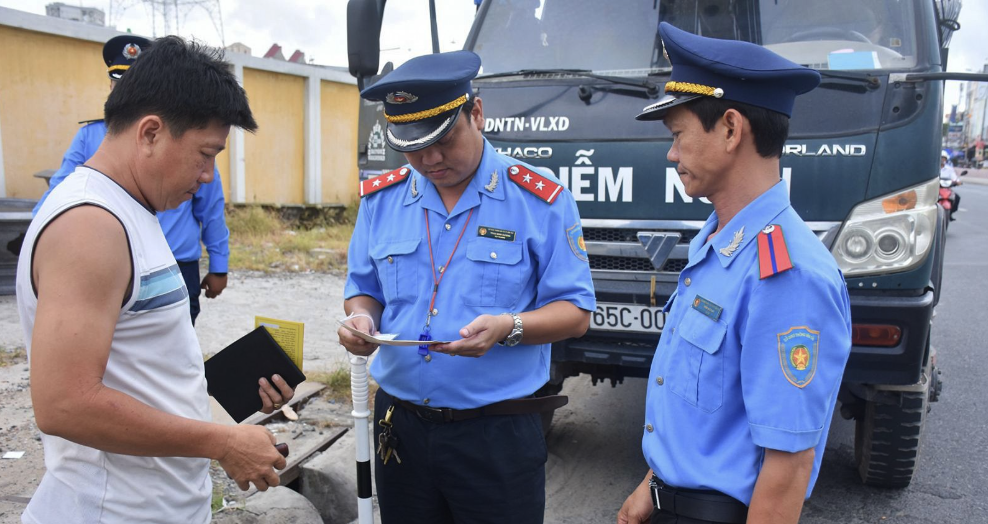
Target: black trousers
x,y
190,272
483,470
665,517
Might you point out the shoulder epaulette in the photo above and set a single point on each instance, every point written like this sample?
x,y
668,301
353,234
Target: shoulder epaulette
x,y
373,185
537,184
773,255
93,121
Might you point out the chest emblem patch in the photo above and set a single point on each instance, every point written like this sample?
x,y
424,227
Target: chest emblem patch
x,y
798,352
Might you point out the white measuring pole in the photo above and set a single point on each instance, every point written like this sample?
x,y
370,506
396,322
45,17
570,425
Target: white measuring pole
x,y
361,415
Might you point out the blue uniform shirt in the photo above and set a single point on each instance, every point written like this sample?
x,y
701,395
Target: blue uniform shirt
x,y
181,225
747,363
518,253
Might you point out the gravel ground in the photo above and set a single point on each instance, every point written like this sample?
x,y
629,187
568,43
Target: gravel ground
x,y
314,299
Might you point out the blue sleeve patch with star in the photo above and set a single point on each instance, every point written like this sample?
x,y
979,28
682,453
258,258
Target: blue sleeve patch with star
x,y
576,242
798,351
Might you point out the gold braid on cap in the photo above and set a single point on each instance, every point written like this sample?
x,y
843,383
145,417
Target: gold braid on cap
x,y
696,89
428,113
122,67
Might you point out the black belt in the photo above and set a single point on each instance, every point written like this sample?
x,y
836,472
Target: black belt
x,y
520,406
713,506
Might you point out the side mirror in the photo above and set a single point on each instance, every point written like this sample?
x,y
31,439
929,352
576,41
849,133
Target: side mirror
x,y
363,37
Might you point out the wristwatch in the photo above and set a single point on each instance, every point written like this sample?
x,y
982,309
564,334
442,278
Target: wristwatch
x,y
514,337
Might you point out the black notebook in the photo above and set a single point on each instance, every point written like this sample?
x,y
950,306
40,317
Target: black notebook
x,y
232,374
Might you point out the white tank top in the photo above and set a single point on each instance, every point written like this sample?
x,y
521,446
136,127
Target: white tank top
x,y
154,357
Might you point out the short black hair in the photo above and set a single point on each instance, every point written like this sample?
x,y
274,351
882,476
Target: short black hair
x,y
467,107
187,84
770,129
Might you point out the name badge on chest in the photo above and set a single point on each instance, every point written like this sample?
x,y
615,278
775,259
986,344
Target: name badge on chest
x,y
707,307
493,232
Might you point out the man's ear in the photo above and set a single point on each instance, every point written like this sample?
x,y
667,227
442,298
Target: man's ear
x,y
477,114
733,131
150,130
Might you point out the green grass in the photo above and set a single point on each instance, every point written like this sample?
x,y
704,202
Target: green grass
x,y
261,241
337,382
217,501
12,356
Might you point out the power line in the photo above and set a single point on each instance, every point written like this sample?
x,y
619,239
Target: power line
x,y
169,16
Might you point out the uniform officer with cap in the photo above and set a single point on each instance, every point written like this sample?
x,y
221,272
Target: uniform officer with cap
x,y
468,247
745,377
201,218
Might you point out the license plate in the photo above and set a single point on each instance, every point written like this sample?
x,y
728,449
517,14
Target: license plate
x,y
627,317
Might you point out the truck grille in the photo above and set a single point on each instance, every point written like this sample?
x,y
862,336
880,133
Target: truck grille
x,y
630,263
620,263
674,265
596,234
633,264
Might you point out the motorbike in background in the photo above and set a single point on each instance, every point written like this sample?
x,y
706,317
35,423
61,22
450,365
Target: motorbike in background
x,y
949,200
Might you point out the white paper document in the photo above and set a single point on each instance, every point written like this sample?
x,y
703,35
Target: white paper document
x,y
388,339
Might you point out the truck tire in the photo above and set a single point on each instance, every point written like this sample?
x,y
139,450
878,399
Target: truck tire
x,y
886,440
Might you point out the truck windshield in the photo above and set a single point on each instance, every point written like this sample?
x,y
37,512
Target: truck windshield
x,y
619,38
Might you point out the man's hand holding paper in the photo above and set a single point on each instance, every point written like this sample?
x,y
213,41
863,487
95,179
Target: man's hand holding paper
x,y
349,338
350,330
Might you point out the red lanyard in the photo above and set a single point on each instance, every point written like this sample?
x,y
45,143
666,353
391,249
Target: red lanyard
x,y
436,279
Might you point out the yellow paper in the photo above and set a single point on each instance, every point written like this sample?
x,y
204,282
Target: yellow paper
x,y
287,334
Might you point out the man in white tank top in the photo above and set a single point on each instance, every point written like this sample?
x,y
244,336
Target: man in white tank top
x,y
116,370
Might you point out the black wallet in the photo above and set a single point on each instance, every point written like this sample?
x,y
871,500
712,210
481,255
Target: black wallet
x,y
232,374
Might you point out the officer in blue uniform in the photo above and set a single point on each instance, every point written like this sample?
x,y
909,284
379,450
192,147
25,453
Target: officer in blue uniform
x,y
745,377
200,218
472,249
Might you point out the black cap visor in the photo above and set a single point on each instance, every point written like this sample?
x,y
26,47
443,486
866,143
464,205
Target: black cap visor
x,y
413,136
658,110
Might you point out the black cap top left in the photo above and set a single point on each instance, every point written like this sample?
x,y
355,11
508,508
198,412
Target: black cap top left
x,y
120,52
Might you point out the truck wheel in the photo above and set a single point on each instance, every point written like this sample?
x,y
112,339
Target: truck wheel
x,y
886,440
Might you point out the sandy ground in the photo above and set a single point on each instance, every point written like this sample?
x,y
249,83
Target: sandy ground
x,y
314,299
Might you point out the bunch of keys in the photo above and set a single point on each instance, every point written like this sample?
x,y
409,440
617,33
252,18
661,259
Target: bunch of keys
x,y
387,443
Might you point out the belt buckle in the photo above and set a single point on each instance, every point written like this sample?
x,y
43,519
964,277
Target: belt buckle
x,y
435,415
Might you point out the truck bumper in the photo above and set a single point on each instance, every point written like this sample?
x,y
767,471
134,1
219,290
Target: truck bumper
x,y
898,365
615,355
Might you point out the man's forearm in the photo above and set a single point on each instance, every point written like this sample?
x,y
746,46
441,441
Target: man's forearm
x,y
781,487
553,322
363,304
112,421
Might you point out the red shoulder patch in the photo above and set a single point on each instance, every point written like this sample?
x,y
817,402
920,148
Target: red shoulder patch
x,y
773,255
373,185
535,183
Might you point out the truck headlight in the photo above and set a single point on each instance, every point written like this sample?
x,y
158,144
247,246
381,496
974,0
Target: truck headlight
x,y
889,234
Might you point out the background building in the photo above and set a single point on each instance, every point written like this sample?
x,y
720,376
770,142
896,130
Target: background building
x,y
87,15
304,151
974,119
